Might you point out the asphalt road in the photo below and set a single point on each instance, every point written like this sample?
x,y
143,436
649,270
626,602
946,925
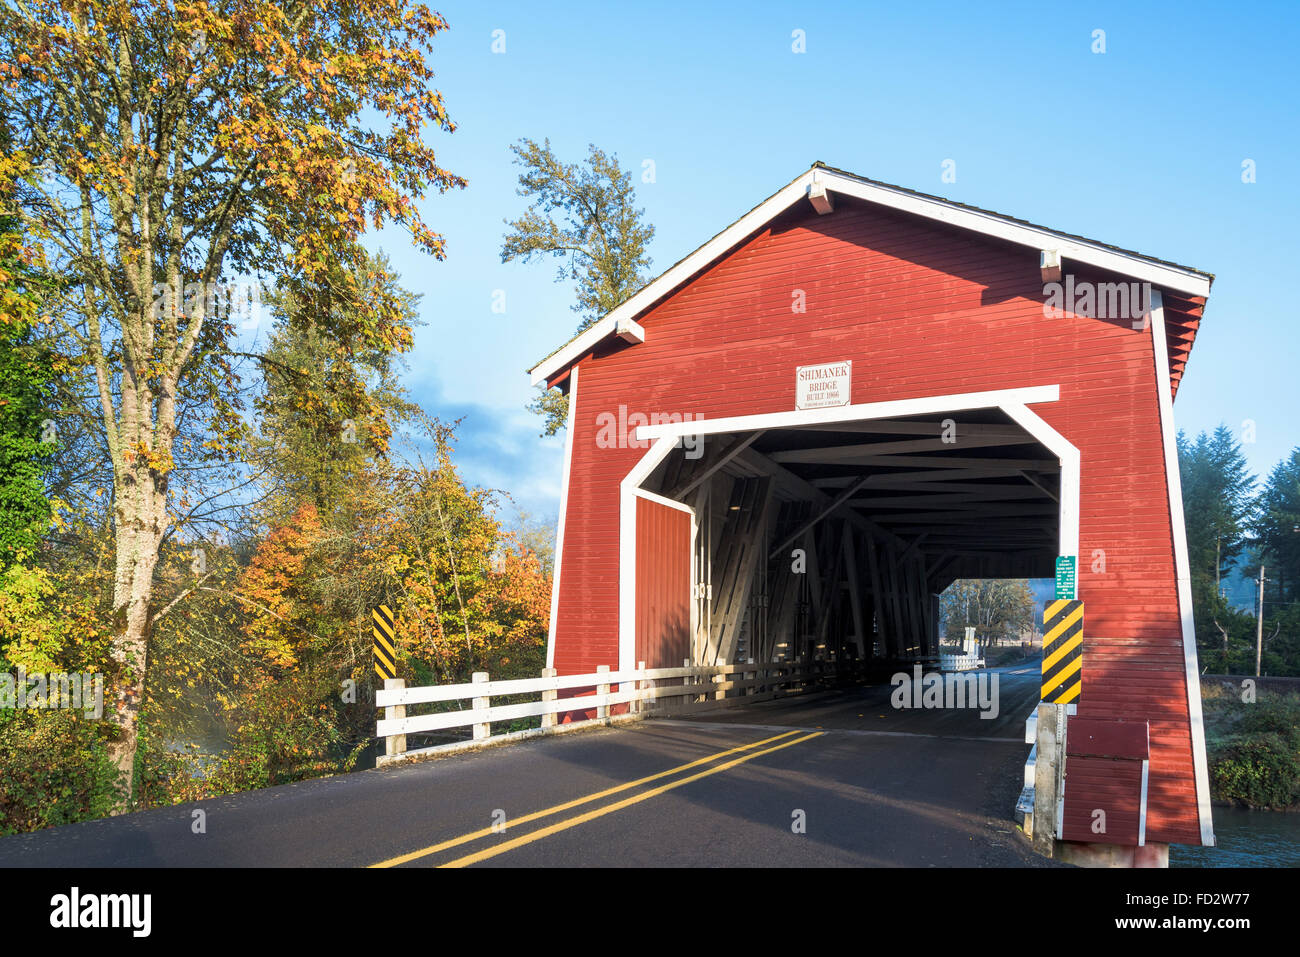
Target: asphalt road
x,y
835,779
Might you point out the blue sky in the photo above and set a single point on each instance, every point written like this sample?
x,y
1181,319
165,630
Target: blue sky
x,y
1140,146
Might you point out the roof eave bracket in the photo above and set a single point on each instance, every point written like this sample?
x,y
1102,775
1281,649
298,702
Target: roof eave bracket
x,y
820,198
630,331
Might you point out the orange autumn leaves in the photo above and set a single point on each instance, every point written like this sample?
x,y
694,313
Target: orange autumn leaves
x,y
276,587
467,594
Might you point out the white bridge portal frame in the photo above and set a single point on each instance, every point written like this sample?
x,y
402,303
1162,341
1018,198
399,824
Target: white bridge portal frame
x,y
667,436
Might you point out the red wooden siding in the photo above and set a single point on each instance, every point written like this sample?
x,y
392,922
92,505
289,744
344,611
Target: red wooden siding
x,y
922,309
1103,768
1111,786
663,584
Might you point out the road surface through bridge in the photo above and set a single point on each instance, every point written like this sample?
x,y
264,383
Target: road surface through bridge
x,y
834,779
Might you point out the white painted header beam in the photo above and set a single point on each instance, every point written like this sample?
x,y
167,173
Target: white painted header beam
x,y
848,413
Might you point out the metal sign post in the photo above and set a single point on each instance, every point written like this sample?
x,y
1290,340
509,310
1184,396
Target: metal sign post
x,y
1062,685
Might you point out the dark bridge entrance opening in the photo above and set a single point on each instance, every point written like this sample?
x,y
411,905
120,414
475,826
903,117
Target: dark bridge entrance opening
x,y
832,541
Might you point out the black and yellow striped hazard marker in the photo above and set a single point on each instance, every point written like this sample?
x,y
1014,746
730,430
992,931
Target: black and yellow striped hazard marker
x,y
1062,651
382,629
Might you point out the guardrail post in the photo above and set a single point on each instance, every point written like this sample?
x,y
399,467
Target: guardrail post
x,y
481,731
752,689
394,744
549,719
602,710
639,704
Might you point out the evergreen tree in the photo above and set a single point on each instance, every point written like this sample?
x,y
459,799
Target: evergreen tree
x,y
329,401
1278,528
1217,506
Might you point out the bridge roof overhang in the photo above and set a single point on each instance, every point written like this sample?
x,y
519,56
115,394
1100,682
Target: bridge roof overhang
x,y
1185,289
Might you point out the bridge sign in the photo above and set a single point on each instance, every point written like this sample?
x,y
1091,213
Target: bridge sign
x,y
1062,651
383,629
823,386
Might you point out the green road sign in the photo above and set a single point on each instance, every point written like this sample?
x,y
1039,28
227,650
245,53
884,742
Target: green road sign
x,y
1065,579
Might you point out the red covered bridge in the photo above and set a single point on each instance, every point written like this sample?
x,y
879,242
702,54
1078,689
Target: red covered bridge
x,y
792,441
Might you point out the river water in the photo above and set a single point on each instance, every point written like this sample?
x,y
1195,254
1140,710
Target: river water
x,y
1246,839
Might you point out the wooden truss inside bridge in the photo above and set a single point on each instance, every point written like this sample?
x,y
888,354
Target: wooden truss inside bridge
x,y
836,540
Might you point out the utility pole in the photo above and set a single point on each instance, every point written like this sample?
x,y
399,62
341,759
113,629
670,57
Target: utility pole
x,y
1259,623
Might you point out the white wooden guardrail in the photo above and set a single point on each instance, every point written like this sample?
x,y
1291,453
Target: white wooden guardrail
x,y
967,662
643,691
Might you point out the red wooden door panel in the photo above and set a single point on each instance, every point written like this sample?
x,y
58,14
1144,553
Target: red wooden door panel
x,y
663,584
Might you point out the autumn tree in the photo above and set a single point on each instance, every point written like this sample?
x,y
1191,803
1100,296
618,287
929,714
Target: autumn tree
x,y
54,767
999,610
584,214
408,533
538,536
469,594
181,150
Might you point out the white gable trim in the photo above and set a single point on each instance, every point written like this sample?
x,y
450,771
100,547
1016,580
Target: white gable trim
x,y
564,509
989,224
1182,569
1076,250
715,247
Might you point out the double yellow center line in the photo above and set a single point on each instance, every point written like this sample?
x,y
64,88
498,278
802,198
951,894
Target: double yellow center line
x,y
591,815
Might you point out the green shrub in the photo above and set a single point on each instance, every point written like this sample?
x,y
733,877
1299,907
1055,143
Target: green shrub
x,y
289,730
168,777
54,769
1279,714
1260,770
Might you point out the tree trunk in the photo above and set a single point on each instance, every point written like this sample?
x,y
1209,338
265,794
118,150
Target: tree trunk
x,y
141,522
